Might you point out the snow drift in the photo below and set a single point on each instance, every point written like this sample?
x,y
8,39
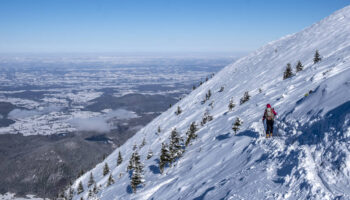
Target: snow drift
x,y
309,155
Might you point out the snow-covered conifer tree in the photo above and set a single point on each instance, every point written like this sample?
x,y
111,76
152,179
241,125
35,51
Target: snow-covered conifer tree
x,y
120,159
206,118
208,95
178,111
231,105
288,72
137,174
165,157
236,125
299,67
91,194
95,190
176,145
105,169
80,188
245,98
91,180
191,133
150,154
143,143
110,180
317,57
131,162
70,194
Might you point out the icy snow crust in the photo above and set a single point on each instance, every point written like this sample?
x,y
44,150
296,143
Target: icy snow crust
x,y
309,157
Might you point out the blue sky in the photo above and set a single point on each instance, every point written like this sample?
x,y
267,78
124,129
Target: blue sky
x,y
39,26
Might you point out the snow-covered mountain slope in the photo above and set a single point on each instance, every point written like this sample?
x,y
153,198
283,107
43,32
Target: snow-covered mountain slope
x,y
309,155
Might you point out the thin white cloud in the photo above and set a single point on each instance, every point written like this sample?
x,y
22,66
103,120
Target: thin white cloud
x,y
100,123
97,124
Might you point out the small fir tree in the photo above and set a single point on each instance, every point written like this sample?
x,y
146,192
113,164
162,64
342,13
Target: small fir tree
x,y
70,194
221,89
299,67
91,194
120,159
143,143
105,169
137,174
150,154
80,188
81,172
131,162
178,111
193,87
95,190
134,147
165,157
91,180
159,129
288,72
191,133
236,125
206,118
245,98
138,164
231,105
208,95
317,57
175,146
110,180
211,104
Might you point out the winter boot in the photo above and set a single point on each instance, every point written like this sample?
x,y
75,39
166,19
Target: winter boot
x,y
271,134
267,135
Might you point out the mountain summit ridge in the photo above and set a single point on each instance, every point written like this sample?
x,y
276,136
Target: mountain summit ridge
x,y
309,155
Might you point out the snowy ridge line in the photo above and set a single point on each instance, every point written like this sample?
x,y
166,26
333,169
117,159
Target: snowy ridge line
x,y
313,123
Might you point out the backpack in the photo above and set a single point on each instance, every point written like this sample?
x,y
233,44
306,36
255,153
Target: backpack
x,y
269,114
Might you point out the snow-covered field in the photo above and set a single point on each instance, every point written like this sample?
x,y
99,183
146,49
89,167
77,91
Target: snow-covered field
x,y
309,155
50,92
10,196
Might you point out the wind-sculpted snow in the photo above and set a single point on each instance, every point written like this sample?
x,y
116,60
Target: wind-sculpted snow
x,y
309,155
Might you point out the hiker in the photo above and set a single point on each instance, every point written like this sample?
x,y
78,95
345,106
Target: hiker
x,y
269,115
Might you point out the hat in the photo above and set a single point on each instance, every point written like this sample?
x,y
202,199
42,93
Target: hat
x,y
268,105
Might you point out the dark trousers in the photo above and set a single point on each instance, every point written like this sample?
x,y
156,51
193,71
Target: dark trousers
x,y
269,128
